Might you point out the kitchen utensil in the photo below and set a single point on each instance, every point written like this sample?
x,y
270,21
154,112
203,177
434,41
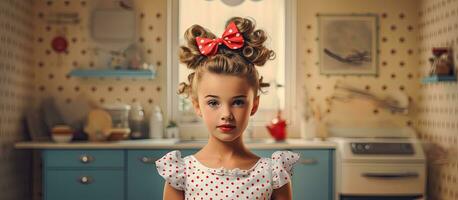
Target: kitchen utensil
x,y
63,18
137,123
99,123
133,57
277,127
119,113
115,134
59,44
75,112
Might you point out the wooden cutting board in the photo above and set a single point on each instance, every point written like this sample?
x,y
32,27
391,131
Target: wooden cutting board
x,y
98,125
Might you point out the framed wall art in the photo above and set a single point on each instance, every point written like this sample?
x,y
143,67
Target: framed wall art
x,y
348,44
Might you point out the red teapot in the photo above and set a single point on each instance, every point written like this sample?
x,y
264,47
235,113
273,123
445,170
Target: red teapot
x,y
277,127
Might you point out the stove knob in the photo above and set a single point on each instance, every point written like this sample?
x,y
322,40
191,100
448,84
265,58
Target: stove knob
x,y
359,147
406,148
367,147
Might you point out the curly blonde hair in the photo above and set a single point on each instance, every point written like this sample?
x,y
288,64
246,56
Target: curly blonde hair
x,y
240,62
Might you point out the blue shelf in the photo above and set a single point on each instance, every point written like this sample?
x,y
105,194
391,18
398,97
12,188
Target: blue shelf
x,y
435,79
113,73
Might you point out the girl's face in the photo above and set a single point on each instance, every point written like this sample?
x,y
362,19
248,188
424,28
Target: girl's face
x,y
225,102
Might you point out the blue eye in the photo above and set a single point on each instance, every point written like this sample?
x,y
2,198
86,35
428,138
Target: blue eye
x,y
239,103
212,103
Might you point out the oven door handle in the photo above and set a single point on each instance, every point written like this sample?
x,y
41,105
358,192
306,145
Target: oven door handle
x,y
390,174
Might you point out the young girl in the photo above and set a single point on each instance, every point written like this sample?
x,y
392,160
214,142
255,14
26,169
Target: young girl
x,y
224,91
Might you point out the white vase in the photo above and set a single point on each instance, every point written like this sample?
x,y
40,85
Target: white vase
x,y
321,130
308,129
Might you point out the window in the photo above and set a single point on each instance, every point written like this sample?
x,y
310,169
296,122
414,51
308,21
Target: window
x,y
273,16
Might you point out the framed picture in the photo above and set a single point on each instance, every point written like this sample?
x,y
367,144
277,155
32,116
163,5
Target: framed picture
x,y
348,44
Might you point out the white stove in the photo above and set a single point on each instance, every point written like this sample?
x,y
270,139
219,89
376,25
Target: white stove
x,y
379,168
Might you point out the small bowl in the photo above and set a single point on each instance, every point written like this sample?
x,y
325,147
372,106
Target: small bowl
x,y
62,133
62,138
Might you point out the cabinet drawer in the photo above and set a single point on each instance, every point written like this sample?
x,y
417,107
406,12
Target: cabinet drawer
x,y
83,158
313,175
84,184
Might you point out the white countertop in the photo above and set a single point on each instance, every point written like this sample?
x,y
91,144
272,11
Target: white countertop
x,y
175,144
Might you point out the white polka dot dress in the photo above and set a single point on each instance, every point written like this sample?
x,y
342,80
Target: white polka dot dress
x,y
200,182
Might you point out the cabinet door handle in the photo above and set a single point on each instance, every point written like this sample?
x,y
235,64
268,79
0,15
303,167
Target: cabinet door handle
x,y
86,159
308,161
147,160
384,175
85,180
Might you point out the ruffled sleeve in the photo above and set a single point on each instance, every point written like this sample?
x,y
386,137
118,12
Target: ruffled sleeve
x,y
282,166
172,168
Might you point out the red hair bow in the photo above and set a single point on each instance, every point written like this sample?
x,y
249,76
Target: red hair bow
x,y
231,38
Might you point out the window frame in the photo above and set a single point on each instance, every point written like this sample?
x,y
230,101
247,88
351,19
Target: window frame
x,y
195,129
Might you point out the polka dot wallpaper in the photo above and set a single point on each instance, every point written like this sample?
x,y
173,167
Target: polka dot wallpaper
x,y
16,92
397,63
408,29
437,119
52,67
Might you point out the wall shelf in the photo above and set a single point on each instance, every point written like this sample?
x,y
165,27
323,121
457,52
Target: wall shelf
x,y
435,79
149,74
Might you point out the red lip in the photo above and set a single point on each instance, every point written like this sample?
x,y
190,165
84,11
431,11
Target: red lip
x,y
226,127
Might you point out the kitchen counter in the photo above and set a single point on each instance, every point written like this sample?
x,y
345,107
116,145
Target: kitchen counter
x,y
176,144
126,169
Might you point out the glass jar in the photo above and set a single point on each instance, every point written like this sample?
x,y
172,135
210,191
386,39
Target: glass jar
x,y
137,122
119,113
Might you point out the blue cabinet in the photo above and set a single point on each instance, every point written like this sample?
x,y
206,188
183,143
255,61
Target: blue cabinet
x,y
83,174
313,175
131,174
143,181
263,153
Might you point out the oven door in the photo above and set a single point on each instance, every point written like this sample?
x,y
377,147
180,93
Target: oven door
x,y
382,179
413,197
